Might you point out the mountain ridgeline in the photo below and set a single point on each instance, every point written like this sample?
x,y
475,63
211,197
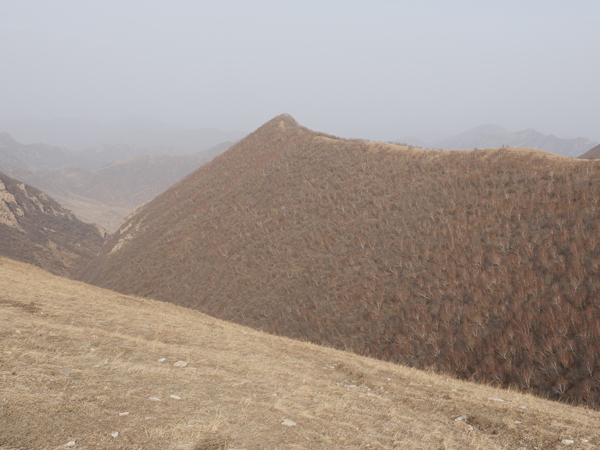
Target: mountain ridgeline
x,y
481,263
495,136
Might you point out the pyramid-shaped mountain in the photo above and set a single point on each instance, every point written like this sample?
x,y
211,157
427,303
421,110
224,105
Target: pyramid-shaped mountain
x,y
36,229
480,263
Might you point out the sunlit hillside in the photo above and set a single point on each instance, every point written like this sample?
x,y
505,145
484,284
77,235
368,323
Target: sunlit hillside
x,y
87,368
482,264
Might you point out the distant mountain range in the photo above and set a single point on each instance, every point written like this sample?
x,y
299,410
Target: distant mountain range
x,y
104,195
135,131
495,136
36,229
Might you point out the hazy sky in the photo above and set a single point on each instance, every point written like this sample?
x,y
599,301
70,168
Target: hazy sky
x,y
377,69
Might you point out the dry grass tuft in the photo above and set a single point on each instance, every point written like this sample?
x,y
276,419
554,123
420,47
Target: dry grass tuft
x,y
213,442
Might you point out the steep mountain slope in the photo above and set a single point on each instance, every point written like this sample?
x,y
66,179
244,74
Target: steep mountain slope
x,y
480,263
81,364
36,229
105,196
593,153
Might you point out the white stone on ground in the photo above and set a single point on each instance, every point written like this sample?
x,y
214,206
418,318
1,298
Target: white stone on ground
x,y
567,441
180,364
175,397
162,360
115,434
288,423
124,414
155,399
70,444
463,417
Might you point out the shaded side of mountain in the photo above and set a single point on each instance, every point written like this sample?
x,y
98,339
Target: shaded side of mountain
x,y
484,264
36,229
593,153
105,196
491,136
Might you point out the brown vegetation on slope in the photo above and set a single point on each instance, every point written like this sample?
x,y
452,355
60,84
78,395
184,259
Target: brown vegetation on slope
x,y
593,153
484,264
36,229
80,364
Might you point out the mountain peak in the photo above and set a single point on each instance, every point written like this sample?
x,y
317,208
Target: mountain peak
x,y
6,138
489,129
282,121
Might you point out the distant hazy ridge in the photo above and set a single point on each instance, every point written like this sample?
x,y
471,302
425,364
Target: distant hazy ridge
x,y
106,194
494,136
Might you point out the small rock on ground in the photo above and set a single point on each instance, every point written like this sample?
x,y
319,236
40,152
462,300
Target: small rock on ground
x,y
463,417
155,399
162,360
180,364
70,444
115,434
567,441
175,397
288,423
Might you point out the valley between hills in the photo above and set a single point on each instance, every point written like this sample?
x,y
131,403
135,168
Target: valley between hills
x,y
452,295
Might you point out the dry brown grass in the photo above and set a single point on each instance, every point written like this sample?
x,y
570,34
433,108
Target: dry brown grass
x,y
483,264
74,358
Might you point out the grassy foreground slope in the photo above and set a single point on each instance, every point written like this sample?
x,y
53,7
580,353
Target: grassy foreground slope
x,y
484,264
80,364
